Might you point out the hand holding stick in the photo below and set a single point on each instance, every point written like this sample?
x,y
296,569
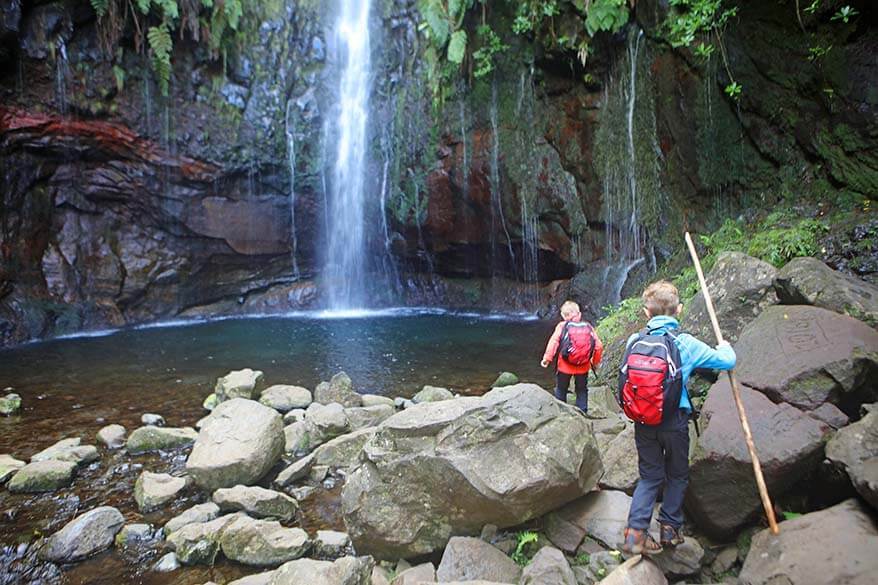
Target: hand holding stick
x,y
736,393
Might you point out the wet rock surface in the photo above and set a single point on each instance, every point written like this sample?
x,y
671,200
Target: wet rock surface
x,y
84,536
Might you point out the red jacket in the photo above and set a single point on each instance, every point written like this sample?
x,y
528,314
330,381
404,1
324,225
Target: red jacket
x,y
564,366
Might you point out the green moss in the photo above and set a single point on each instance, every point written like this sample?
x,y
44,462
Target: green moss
x,y
619,319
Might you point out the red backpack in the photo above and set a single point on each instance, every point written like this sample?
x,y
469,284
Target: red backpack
x,y
577,343
650,379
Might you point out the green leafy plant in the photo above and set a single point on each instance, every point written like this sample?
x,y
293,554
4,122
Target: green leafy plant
x,y
845,14
606,15
818,52
733,90
791,515
581,559
161,45
522,555
491,45
812,8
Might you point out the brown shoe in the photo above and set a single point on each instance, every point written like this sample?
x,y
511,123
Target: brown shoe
x,y
670,536
640,542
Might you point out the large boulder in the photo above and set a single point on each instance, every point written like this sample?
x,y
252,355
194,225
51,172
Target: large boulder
x,y
263,543
343,571
620,462
239,442
601,515
808,281
741,287
788,442
855,449
432,394
471,559
85,535
806,356
68,450
152,438
257,502
339,389
154,490
42,476
443,468
9,465
548,567
637,570
836,545
683,559
238,384
198,543
368,416
423,573
325,422
285,398
343,451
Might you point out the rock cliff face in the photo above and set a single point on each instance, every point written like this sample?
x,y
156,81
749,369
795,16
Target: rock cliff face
x,y
122,206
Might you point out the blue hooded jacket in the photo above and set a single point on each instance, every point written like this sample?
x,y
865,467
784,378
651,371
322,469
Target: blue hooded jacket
x,y
694,353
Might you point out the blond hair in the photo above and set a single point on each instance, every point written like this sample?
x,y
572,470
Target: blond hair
x,y
661,298
569,309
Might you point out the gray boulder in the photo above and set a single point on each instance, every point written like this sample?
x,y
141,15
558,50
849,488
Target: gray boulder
x,y
145,439
443,468
257,579
741,287
505,379
294,416
257,502
167,563
339,389
295,472
263,543
133,534
210,402
238,384
855,449
830,414
285,398
154,490
85,535
368,416
343,451
42,476
68,450
331,544
602,515
432,394
376,400
548,567
806,356
9,465
789,444
469,559
198,543
808,281
325,422
343,571
238,444
10,404
423,573
682,560
637,570
802,554
620,462
112,436
297,437
152,420
198,514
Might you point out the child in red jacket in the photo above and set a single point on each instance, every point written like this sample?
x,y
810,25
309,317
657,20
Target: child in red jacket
x,y
578,349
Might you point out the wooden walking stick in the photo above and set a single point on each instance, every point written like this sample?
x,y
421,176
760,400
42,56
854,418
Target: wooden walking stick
x,y
736,392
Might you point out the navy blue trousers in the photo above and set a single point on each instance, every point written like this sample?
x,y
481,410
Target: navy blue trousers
x,y
562,383
663,463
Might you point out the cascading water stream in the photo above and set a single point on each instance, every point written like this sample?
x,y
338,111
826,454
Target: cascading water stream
x,y
496,195
632,172
290,131
346,247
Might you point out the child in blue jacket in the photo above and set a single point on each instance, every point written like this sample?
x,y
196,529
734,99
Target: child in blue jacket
x,y
663,450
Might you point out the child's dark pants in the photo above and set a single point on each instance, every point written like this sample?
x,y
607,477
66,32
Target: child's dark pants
x,y
562,383
663,461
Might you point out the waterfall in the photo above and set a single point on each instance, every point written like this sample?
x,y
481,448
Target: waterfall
x,y
346,247
290,131
496,195
61,71
632,171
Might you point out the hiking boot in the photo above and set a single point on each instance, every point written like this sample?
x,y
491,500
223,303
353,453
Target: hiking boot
x,y
640,542
670,536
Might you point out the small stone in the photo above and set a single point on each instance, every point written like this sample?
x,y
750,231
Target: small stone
x,y
505,379
257,579
85,535
167,563
432,394
42,476
8,466
318,473
145,439
113,436
470,559
238,384
423,573
133,533
725,560
361,417
198,543
152,420
210,402
296,471
376,400
153,490
197,514
302,493
257,502
10,404
285,398
263,543
684,559
68,450
331,544
548,567
339,389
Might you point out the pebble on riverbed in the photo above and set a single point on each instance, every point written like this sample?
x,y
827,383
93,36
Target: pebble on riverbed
x,y
153,420
10,404
113,436
42,476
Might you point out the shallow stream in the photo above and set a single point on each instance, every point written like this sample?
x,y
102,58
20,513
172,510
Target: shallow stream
x,y
73,387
